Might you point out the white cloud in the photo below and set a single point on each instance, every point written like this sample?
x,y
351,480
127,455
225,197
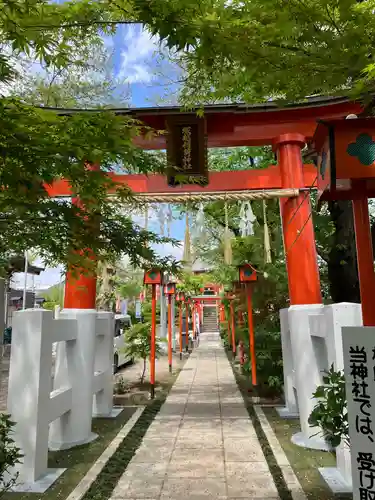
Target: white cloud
x,y
167,249
47,278
137,55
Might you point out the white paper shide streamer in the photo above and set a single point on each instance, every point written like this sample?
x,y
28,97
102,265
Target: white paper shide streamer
x,y
169,219
187,256
161,219
267,240
227,239
199,230
247,219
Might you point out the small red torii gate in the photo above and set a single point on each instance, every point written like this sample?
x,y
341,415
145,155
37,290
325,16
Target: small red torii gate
x,y
287,130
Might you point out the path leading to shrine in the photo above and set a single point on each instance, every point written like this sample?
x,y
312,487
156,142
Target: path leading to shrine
x,y
202,444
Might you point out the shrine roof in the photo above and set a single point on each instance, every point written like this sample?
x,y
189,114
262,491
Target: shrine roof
x,y
215,108
230,125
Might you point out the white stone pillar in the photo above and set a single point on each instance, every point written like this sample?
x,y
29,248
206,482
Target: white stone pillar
x,y
57,311
29,388
75,368
307,372
339,478
337,316
103,368
291,406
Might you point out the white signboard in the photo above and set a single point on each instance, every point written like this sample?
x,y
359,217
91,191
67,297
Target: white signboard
x,y
124,306
138,309
359,368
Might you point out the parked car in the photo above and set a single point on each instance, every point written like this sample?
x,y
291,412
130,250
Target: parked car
x,y
122,323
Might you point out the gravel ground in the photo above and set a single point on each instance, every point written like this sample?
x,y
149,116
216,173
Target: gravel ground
x,y
132,372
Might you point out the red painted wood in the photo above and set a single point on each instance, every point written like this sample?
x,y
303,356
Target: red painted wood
x,y
180,326
187,324
365,260
153,340
170,331
252,353
80,291
80,288
299,240
241,127
233,328
268,178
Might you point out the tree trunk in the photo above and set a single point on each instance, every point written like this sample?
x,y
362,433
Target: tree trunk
x,y
144,370
342,261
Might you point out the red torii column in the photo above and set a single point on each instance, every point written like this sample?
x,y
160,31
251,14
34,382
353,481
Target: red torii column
x,y
80,291
298,230
80,288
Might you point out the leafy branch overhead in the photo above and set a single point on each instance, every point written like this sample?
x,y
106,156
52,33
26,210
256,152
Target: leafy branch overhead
x,y
39,147
254,50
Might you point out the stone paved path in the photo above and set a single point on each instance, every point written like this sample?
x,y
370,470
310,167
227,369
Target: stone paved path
x,y
202,443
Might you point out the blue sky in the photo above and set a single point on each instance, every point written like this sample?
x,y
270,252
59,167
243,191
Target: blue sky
x,y
140,65
52,276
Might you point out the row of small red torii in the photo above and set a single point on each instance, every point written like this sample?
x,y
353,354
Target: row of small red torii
x,y
345,170
154,278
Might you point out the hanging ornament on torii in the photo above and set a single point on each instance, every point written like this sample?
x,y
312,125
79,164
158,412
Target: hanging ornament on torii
x,y
165,218
247,219
246,226
200,231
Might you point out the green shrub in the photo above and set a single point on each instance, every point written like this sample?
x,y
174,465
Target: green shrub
x,y
268,359
330,413
121,387
10,455
138,344
147,311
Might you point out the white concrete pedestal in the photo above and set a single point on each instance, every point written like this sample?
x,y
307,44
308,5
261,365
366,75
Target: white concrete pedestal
x,y
291,405
103,376
41,485
30,401
285,412
307,365
114,413
311,342
339,479
76,365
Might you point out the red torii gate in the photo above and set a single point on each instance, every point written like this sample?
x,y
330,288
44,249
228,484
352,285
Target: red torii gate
x,y
287,130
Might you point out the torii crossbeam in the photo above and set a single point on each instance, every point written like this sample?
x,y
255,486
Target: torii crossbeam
x,y
288,130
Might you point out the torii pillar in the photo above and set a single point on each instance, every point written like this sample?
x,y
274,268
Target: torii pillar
x,y
298,229
304,286
80,291
80,288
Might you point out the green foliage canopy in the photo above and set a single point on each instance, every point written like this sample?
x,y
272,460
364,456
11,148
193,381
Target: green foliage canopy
x,y
254,50
40,146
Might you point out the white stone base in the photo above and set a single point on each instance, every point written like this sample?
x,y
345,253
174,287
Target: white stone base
x,y
66,446
313,443
41,485
335,480
115,412
284,412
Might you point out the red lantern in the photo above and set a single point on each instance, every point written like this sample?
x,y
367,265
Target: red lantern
x,y
247,273
170,289
346,154
153,277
